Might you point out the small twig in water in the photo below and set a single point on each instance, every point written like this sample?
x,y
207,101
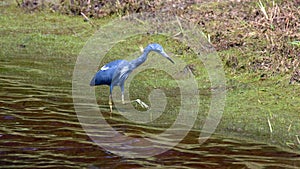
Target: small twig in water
x,y
270,126
297,137
289,127
86,18
144,105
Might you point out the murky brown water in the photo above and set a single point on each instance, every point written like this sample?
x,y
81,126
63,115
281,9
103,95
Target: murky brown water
x,y
39,129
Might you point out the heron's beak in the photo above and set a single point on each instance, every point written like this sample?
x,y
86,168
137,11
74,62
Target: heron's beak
x,y
166,56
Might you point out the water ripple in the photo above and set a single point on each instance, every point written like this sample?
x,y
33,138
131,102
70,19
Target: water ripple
x,y
39,129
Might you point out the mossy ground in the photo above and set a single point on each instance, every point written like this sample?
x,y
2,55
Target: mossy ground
x,y
42,48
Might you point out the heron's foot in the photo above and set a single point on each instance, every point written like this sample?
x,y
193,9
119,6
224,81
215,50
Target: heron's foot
x,y
144,105
110,106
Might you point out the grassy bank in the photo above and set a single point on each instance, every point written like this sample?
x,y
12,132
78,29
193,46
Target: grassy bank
x,y
262,105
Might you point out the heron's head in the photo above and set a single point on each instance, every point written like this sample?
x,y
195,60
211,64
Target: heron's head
x,y
159,49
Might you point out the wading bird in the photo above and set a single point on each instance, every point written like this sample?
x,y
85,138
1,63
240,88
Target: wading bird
x,y
116,72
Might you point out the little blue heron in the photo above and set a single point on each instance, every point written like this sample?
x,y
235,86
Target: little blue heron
x,y
116,72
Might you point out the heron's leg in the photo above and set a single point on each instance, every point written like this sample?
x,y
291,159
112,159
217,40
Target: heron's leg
x,y
110,98
110,102
123,101
122,91
144,105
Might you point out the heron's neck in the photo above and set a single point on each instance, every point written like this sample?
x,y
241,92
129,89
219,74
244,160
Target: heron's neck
x,y
137,62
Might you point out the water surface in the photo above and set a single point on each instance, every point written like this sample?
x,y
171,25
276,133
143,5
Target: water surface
x,y
40,129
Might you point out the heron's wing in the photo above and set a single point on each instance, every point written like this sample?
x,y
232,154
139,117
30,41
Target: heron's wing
x,y
111,65
121,73
106,73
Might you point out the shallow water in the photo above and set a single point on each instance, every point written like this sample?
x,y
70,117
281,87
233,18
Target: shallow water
x,y
40,129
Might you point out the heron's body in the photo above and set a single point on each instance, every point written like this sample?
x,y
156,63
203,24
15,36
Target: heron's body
x,y
110,71
116,72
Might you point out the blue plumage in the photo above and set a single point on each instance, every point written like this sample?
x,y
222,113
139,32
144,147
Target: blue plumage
x,y
116,72
105,74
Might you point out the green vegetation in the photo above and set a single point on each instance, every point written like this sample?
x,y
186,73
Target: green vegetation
x,y
261,104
